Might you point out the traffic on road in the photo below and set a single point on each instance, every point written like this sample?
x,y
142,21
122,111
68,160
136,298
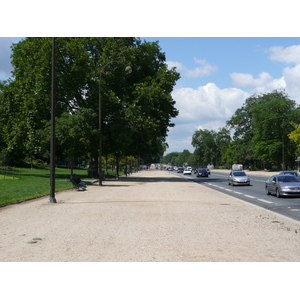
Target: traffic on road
x,y
253,190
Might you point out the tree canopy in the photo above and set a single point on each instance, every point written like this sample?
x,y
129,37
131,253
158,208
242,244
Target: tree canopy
x,y
261,129
137,108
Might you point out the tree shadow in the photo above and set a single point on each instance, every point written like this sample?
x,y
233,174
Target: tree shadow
x,y
170,179
151,179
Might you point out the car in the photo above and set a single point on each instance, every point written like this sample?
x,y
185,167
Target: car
x,y
290,173
187,171
238,178
283,185
180,170
202,173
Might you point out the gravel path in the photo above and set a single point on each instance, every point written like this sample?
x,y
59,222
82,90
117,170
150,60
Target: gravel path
x,y
150,216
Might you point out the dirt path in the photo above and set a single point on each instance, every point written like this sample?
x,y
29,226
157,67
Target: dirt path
x,y
152,216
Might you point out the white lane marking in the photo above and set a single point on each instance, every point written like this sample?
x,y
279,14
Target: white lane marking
x,y
249,196
262,200
239,193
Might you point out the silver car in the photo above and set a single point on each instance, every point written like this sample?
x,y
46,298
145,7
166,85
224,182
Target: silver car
x,y
283,185
238,178
290,173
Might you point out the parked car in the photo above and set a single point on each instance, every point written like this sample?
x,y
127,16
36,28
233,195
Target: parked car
x,y
283,185
202,173
238,178
290,173
180,170
187,171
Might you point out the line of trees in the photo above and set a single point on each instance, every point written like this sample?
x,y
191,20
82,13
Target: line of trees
x,y
263,133
136,108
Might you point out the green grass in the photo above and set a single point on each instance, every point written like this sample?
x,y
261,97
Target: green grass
x,y
35,183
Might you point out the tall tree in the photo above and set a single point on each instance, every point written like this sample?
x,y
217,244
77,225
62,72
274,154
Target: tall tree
x,y
261,128
136,109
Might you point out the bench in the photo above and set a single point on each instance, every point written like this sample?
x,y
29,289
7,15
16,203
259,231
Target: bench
x,y
78,185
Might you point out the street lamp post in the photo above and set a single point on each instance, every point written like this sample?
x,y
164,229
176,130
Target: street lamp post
x,y
128,69
52,138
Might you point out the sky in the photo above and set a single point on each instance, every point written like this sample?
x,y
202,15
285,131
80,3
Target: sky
x,y
217,75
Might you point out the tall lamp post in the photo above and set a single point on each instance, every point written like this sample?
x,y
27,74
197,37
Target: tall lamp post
x,y
52,138
128,70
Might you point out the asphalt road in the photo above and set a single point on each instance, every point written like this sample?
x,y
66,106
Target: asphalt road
x,y
255,193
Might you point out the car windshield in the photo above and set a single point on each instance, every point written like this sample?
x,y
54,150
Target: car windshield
x,y
202,170
290,173
239,174
287,179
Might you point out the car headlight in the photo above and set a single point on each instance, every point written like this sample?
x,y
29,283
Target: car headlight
x,y
285,189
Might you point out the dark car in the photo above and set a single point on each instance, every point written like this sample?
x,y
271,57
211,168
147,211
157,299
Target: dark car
x,y
283,185
290,173
202,173
180,170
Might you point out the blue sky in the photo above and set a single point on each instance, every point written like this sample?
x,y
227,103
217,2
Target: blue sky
x,y
217,75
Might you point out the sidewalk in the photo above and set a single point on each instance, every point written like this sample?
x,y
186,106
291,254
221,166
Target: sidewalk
x,y
151,216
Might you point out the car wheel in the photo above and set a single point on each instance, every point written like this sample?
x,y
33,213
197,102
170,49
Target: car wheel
x,y
278,193
267,191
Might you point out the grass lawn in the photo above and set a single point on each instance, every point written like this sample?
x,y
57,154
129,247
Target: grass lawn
x,y
35,183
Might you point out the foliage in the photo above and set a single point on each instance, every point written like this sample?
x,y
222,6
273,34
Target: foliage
x,y
210,146
170,158
183,158
136,108
261,129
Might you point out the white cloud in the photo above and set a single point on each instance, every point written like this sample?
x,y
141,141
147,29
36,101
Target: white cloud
x,y
266,83
292,79
207,103
244,80
204,70
177,65
207,107
288,55
263,84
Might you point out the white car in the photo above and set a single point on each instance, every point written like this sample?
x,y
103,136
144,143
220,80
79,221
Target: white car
x,y
187,171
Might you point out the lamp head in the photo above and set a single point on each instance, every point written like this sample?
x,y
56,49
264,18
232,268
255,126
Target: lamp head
x,y
128,69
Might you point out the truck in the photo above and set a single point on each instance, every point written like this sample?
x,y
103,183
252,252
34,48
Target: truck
x,y
237,167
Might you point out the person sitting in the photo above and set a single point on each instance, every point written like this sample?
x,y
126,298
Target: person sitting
x,y
76,180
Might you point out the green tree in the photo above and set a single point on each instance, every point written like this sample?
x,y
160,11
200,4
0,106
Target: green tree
x,y
183,158
136,109
80,132
261,129
170,158
205,143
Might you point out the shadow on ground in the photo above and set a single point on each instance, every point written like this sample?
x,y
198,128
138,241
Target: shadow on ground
x,y
151,179
168,179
